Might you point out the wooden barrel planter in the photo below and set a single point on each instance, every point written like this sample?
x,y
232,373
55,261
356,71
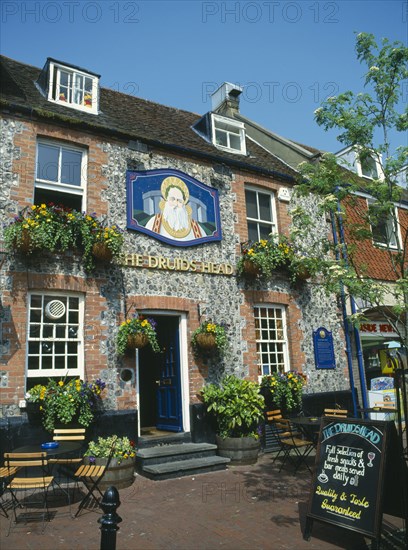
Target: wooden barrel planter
x,y
240,450
120,473
137,340
102,252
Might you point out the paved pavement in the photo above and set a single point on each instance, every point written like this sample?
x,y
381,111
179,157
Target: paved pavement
x,y
242,508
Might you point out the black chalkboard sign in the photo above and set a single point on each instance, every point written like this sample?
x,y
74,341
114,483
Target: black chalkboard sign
x,y
349,477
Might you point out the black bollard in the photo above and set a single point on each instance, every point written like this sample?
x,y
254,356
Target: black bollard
x,y
110,519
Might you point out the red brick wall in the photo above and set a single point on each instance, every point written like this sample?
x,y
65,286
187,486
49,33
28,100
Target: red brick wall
x,y
25,166
293,313
376,258
17,299
243,179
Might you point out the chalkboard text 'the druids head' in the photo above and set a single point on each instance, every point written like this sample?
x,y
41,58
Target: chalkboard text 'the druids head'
x,y
367,432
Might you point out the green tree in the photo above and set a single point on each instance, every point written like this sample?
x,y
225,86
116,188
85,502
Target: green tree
x,y
366,122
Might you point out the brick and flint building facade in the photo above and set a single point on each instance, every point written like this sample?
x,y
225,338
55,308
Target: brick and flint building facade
x,y
66,140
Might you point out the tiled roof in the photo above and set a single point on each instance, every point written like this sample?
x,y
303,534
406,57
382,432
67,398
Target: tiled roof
x,y
131,118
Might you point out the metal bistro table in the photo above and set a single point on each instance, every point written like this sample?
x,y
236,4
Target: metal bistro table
x,y
309,425
64,448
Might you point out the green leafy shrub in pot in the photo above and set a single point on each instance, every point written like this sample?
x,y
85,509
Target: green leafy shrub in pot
x,y
236,405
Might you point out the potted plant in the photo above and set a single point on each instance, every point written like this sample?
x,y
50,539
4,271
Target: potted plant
x,y
56,228
283,391
42,227
237,407
34,399
107,243
67,401
137,333
120,471
303,267
98,241
209,337
261,258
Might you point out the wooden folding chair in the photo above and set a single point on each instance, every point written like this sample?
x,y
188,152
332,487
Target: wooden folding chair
x,y
29,486
342,413
271,419
295,447
91,475
386,405
64,434
6,475
69,463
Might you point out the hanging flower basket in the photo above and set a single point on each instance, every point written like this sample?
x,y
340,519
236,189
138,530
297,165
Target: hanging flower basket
x,y
23,243
57,229
137,340
137,333
303,274
250,268
210,338
102,252
206,341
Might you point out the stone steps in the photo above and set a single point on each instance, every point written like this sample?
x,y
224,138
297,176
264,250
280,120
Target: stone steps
x,y
184,459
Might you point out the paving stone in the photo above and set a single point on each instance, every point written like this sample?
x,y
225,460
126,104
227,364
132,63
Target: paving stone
x,y
242,508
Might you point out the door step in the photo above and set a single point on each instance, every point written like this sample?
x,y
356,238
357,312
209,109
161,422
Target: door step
x,y
184,459
163,438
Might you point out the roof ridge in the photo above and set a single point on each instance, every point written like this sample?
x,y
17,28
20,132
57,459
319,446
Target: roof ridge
x,y
149,101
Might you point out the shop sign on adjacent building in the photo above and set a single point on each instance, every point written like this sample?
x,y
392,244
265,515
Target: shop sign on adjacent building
x,y
376,328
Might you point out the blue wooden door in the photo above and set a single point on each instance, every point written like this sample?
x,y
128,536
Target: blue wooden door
x,y
168,393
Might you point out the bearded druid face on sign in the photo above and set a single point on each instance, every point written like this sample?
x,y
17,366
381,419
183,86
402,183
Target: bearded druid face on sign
x,y
175,218
175,212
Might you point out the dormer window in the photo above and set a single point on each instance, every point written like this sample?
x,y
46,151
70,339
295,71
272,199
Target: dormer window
x,y
369,167
384,227
365,166
228,134
70,86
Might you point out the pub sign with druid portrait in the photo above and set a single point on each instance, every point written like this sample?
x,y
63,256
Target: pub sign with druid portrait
x,y
173,207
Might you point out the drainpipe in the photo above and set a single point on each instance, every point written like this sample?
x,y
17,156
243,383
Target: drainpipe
x,y
346,327
360,362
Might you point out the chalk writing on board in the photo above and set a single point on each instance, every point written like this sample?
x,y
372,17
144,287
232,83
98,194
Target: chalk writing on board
x,y
347,472
359,474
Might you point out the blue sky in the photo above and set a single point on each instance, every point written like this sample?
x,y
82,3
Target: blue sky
x,y
288,55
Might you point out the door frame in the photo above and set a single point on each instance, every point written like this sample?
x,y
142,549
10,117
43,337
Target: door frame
x,y
184,381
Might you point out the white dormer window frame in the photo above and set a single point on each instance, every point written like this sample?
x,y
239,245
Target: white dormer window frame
x,y
388,229
228,134
357,165
71,87
364,171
